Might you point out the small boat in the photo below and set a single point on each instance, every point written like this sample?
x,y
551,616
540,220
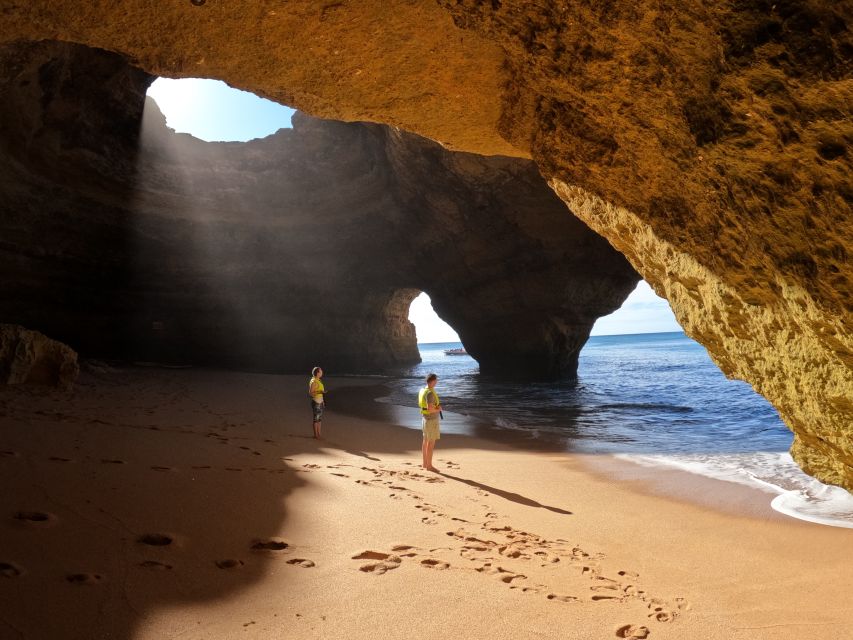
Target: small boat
x,y
455,352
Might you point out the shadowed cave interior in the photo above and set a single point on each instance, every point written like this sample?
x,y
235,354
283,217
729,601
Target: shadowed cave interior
x,y
126,240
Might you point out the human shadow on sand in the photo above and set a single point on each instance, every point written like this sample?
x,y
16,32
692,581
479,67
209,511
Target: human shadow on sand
x,y
506,495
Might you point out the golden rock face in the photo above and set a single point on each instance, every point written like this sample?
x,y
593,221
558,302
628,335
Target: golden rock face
x,y
710,145
30,357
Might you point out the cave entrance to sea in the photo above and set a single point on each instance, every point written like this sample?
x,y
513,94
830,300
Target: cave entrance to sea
x,y
430,329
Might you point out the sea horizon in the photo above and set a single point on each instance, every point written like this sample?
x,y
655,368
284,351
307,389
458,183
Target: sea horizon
x,y
600,335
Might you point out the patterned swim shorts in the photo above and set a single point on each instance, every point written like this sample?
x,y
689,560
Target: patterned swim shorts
x,y
317,409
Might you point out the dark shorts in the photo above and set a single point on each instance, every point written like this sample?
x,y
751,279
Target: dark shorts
x,y
317,409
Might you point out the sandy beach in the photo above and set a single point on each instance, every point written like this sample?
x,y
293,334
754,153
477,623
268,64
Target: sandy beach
x,y
152,504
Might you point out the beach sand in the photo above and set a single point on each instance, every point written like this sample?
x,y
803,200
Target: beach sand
x,y
157,504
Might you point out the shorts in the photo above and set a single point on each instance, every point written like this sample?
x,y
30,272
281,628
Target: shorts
x,y
431,428
317,409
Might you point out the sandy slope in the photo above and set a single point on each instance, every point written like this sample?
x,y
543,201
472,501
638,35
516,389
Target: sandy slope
x,y
190,504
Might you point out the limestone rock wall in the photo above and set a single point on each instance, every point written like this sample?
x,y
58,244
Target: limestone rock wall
x,y
712,147
305,247
709,143
29,357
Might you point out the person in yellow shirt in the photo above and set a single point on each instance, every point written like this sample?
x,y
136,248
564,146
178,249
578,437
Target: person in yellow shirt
x,y
317,391
430,406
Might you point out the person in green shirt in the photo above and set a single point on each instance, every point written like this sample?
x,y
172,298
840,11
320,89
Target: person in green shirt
x,y
430,406
317,391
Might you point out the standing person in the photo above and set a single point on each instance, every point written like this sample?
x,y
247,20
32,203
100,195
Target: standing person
x,y
317,390
430,406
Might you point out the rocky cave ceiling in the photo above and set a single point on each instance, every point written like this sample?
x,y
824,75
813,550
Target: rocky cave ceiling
x,y
709,144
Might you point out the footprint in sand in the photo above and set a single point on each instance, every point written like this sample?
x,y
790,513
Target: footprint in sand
x,y
561,598
429,563
663,616
269,545
10,570
606,582
387,562
660,613
59,459
155,539
302,562
155,566
632,631
504,575
507,579
605,592
229,563
159,468
35,518
546,558
6,453
340,475
84,579
116,461
201,466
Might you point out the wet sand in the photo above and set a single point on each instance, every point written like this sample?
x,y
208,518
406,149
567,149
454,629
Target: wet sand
x,y
192,504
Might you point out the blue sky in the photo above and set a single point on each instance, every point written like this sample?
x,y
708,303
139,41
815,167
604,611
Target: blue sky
x,y
211,110
642,312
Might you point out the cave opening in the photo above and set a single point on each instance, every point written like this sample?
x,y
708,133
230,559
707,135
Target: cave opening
x,y
429,327
213,111
642,312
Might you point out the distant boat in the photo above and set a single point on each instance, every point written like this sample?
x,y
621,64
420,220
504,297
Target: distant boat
x,y
455,352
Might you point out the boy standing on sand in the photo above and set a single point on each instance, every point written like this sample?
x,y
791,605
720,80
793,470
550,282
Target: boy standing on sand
x,y
317,390
430,412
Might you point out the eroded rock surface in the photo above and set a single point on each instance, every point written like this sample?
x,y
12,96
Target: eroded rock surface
x,y
306,247
710,143
29,357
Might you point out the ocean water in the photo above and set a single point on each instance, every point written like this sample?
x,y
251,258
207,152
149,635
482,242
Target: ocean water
x,y
652,399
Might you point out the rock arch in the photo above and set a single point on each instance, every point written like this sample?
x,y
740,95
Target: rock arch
x,y
302,248
710,145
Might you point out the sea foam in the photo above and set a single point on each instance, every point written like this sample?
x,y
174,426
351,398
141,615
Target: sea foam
x,y
797,494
